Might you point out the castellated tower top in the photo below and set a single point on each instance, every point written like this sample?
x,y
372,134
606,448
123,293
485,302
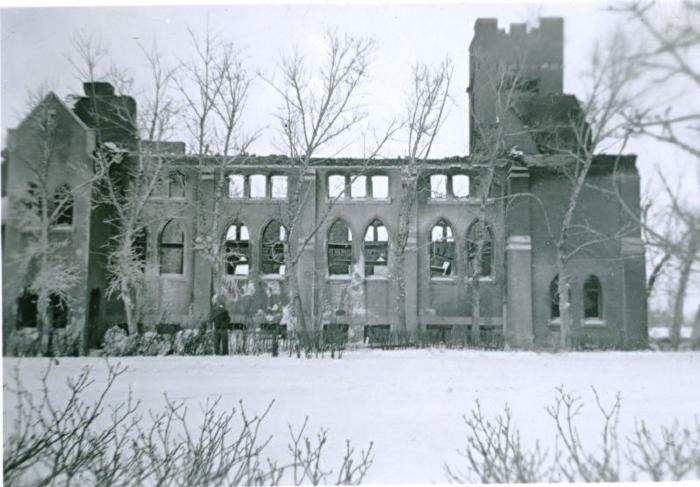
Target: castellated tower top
x,y
539,51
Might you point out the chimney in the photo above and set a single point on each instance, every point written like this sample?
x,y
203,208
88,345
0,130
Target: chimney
x,y
98,88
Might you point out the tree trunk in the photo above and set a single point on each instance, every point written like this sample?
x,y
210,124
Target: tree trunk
x,y
476,310
401,289
684,277
564,306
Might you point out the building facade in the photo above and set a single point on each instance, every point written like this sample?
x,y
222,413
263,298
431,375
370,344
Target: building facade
x,y
344,244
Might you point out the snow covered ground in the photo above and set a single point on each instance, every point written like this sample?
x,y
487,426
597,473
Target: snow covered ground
x,y
410,403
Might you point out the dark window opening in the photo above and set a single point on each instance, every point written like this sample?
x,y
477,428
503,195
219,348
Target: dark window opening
x,y
237,250
176,185
339,249
335,333
239,326
376,249
592,298
63,204
442,250
274,248
27,309
438,333
59,311
479,250
377,334
172,245
274,330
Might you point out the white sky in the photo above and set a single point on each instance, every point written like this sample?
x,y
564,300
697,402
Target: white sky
x,y
36,45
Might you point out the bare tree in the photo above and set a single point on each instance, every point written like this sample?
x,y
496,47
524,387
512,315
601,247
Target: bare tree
x,y
129,176
670,115
319,110
425,115
38,210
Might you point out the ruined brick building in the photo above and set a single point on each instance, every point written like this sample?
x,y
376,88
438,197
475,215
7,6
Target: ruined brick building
x,y
346,269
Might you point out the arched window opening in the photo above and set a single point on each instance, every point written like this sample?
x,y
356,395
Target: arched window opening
x,y
59,311
237,250
274,243
554,312
376,249
479,249
592,298
176,185
172,247
63,205
339,249
442,250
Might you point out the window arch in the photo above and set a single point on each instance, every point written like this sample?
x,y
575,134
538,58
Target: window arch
x,y
442,250
339,248
172,246
274,242
176,185
479,249
63,205
554,311
592,298
237,250
375,249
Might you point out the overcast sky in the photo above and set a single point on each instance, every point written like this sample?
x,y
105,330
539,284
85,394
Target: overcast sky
x,y
36,46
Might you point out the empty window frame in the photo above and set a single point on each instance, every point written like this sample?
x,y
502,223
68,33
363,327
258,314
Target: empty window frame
x,y
176,185
358,186
438,186
63,206
375,249
339,249
336,186
237,250
278,185
442,250
335,333
380,186
592,298
377,335
236,186
443,186
273,330
479,249
59,311
27,309
274,241
258,185
172,246
460,185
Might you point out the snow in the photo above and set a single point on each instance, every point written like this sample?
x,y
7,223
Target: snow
x,y
410,403
661,332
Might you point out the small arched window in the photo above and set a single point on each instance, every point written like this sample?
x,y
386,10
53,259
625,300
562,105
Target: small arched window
x,y
554,312
479,249
176,185
592,298
339,249
376,249
274,241
172,246
237,250
442,250
63,206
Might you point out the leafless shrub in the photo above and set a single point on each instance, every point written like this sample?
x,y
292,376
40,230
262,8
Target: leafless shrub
x,y
85,442
495,454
